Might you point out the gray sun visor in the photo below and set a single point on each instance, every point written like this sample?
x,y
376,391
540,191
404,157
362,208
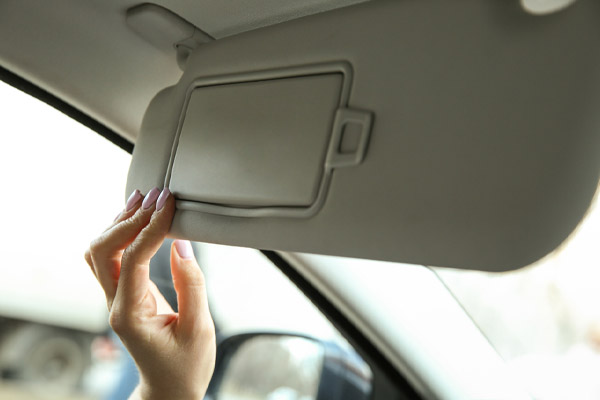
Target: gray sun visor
x,y
460,134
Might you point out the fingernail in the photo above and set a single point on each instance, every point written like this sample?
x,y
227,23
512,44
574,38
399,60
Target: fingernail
x,y
162,199
133,199
150,198
184,249
117,217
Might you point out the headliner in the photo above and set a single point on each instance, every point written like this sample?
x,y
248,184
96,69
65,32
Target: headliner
x,y
84,53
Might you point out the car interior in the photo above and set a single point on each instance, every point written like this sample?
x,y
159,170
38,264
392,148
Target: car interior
x,y
387,197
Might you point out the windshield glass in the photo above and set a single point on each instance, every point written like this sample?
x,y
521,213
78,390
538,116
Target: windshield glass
x,y
544,320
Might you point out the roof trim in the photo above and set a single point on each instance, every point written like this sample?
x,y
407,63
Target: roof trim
x,y
26,86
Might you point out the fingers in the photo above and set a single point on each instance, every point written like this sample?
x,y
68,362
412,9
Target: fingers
x,y
88,260
188,279
133,203
134,280
106,250
131,206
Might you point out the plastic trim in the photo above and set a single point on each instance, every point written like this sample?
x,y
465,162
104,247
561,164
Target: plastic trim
x,y
33,90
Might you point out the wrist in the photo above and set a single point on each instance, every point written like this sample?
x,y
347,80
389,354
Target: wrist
x,y
173,391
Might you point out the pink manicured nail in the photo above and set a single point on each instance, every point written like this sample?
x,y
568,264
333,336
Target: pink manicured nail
x,y
150,198
184,248
133,199
162,199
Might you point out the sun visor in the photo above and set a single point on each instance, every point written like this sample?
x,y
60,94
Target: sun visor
x,y
440,133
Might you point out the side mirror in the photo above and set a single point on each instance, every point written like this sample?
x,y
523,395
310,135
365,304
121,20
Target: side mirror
x,y
274,366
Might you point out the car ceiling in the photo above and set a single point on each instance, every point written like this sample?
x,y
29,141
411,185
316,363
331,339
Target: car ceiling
x,y
84,52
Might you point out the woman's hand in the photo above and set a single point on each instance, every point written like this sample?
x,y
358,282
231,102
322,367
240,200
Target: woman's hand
x,y
174,352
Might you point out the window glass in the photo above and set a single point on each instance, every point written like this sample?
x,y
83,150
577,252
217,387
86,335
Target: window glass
x,y
248,294
62,184
259,289
544,320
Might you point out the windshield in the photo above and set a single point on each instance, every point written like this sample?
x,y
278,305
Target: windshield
x,y
544,320
471,334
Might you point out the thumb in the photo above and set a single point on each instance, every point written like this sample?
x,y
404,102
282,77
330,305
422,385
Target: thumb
x,y
189,284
